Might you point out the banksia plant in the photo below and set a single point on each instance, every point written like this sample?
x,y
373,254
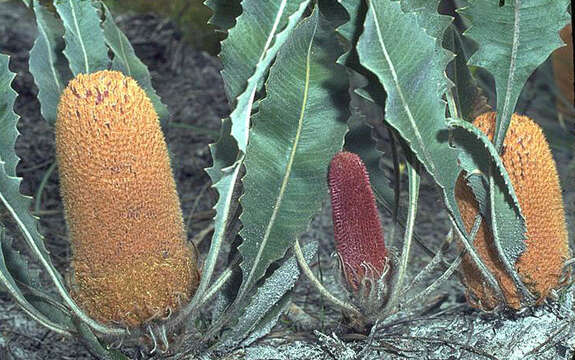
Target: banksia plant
x,y
357,227
529,163
131,263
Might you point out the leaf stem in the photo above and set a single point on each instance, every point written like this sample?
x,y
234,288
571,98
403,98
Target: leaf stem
x,y
467,243
396,185
38,196
408,236
453,112
318,285
449,270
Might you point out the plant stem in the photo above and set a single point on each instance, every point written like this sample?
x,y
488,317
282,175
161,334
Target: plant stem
x,y
408,236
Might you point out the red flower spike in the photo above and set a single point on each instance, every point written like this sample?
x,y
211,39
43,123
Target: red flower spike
x,y
357,226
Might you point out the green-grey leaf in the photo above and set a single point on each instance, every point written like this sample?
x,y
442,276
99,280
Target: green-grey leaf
x,y
266,324
267,296
8,283
224,177
126,61
372,92
46,61
223,151
351,29
465,90
479,184
86,49
435,25
298,129
225,12
8,119
513,40
504,208
411,72
16,204
16,264
95,346
248,52
428,17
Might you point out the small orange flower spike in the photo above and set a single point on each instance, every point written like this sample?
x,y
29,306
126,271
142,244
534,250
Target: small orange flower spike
x,y
131,262
357,227
529,163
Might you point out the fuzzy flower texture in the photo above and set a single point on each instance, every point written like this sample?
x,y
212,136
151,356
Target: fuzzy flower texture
x,y
357,226
529,162
131,262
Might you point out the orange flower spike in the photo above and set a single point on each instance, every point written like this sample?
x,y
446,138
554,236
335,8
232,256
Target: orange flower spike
x,y
357,227
131,262
529,163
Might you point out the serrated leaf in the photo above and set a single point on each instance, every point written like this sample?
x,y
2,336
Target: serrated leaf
x,y
505,211
479,185
22,276
126,61
8,284
85,49
408,64
466,90
248,51
266,324
224,177
15,204
435,25
367,93
298,129
351,29
46,61
255,56
428,16
225,12
257,314
8,119
16,264
514,39
224,151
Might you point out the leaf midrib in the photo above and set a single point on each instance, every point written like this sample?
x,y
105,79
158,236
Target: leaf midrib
x,y
289,165
82,45
512,67
248,107
50,55
401,95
